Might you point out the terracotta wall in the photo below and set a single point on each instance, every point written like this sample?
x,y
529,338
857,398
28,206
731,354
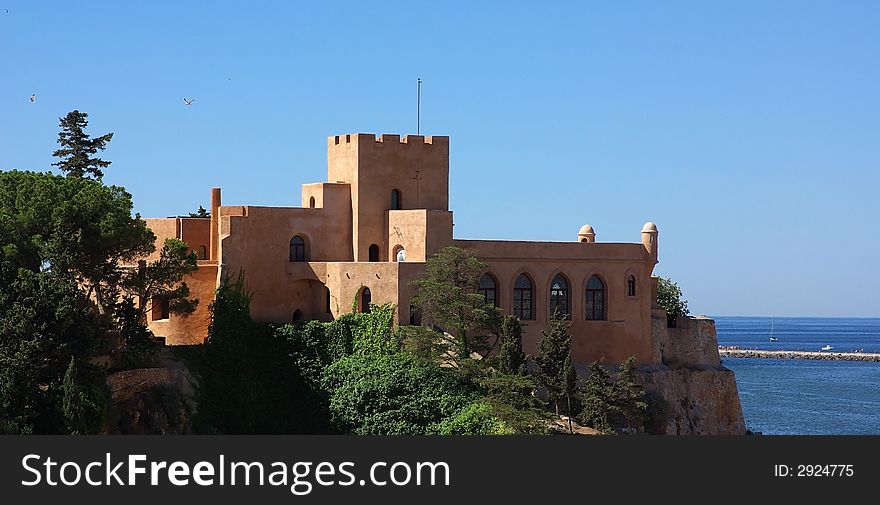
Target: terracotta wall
x,y
421,232
416,166
193,231
256,241
178,330
627,328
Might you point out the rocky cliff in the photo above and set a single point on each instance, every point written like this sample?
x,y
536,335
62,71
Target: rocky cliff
x,y
700,395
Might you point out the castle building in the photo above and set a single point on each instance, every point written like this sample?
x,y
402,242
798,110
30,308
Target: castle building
x,y
364,235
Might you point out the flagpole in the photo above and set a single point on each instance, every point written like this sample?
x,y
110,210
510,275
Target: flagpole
x,y
419,106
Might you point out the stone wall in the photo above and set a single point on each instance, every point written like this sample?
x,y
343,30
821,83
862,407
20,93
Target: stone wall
x,y
700,395
691,342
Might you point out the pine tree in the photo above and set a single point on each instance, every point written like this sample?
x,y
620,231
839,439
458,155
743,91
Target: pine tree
x,y
77,148
553,350
449,296
511,358
630,396
72,402
202,212
597,400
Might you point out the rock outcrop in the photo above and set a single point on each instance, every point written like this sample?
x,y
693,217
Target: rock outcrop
x,y
700,395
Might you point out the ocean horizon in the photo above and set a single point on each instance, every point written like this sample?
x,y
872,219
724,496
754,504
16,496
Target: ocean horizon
x,y
805,397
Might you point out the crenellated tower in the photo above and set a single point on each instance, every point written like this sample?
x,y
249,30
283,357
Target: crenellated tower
x,y
387,172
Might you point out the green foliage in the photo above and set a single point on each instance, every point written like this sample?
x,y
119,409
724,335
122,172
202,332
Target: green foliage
x,y
511,398
477,418
670,298
630,397
570,385
72,406
163,278
448,295
309,347
63,293
392,394
553,351
202,212
598,403
78,148
619,406
248,382
511,358
45,321
423,342
374,333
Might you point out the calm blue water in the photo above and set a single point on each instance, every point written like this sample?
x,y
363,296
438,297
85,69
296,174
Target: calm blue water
x,y
784,397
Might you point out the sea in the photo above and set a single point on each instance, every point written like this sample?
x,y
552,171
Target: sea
x,y
805,397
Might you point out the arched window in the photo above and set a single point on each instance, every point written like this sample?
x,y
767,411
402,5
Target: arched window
x,y
559,297
489,288
395,200
297,316
366,299
311,202
400,254
631,286
595,299
523,301
203,252
297,249
327,300
374,252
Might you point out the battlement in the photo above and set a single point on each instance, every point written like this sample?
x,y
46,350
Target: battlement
x,y
365,139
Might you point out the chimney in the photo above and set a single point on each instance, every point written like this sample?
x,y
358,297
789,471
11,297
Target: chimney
x,y
215,221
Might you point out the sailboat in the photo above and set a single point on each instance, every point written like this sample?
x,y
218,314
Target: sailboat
x,y
772,338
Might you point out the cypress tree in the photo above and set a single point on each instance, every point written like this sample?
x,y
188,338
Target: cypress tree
x,y
553,350
511,358
72,402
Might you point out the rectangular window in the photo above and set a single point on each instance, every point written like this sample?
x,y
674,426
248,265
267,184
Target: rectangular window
x,y
161,307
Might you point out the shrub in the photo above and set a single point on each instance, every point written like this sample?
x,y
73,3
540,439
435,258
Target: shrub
x,y
477,418
392,394
670,298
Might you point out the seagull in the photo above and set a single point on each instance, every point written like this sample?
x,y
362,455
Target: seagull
x,y
33,98
188,102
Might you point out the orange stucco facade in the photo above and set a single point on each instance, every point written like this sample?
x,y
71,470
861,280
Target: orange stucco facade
x,y
382,213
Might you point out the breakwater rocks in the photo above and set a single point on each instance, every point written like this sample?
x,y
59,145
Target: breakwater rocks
x,y
734,352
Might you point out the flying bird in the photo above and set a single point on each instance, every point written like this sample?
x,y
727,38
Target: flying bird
x,y
33,98
188,102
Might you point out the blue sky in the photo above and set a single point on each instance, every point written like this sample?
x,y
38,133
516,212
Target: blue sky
x,y
747,131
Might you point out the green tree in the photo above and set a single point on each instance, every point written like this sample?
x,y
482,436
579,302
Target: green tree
x,y
553,350
570,383
45,322
511,358
248,381
598,406
72,405
630,397
448,295
78,148
670,298
163,279
202,212
424,342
